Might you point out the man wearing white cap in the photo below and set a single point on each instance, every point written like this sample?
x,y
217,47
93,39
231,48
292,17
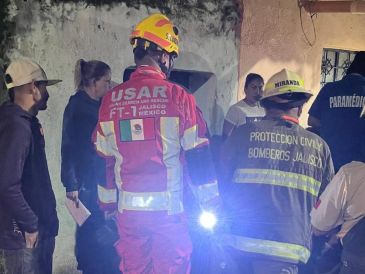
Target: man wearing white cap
x,y
29,222
273,170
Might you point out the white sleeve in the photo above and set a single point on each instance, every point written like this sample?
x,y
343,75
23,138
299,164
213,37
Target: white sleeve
x,y
235,116
329,210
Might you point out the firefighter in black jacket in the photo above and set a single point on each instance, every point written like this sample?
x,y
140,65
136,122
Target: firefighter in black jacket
x,y
273,171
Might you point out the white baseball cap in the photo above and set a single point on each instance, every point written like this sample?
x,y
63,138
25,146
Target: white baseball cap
x,y
24,71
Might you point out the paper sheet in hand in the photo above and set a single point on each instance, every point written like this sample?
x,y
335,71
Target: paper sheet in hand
x,y
80,214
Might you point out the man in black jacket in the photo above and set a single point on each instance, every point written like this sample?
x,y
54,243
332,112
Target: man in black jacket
x,y
335,114
29,222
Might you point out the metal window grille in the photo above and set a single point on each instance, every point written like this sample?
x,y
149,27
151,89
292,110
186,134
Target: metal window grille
x,y
335,64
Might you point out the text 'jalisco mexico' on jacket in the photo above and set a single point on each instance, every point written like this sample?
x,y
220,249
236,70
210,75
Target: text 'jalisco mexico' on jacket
x,y
145,124
274,170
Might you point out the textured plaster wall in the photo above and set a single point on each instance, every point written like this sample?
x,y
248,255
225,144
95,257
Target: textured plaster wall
x,y
272,39
57,35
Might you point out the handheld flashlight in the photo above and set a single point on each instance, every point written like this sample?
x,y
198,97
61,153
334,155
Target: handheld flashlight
x,y
208,220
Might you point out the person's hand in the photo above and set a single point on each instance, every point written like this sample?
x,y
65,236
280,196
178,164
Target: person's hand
x,y
31,239
73,196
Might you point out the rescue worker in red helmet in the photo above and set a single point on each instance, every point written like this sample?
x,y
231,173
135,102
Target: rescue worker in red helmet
x,y
151,127
274,170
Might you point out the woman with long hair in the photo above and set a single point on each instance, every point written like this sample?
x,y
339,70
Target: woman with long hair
x,y
82,169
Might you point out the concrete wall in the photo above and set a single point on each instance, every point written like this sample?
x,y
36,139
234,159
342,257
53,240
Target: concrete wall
x,y
272,38
57,35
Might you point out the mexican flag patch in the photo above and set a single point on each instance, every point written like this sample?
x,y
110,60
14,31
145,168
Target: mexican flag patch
x,y
137,129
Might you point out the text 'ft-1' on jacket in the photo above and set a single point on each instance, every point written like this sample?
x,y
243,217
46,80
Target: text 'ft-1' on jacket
x,y
146,124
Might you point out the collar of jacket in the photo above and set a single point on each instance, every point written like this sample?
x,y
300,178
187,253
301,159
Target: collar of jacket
x,y
11,107
148,71
290,119
82,94
354,75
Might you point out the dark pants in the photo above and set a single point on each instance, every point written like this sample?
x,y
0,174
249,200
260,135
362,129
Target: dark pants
x,y
352,263
44,255
324,259
19,261
353,253
245,263
94,249
351,269
29,260
273,267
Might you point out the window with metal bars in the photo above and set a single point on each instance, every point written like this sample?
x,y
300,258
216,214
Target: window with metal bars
x,y
335,62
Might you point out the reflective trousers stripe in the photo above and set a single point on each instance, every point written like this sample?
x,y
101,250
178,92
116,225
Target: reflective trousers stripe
x,y
287,251
278,178
150,201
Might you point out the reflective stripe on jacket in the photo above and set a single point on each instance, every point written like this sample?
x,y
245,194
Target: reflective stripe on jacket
x,y
285,251
278,178
273,171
